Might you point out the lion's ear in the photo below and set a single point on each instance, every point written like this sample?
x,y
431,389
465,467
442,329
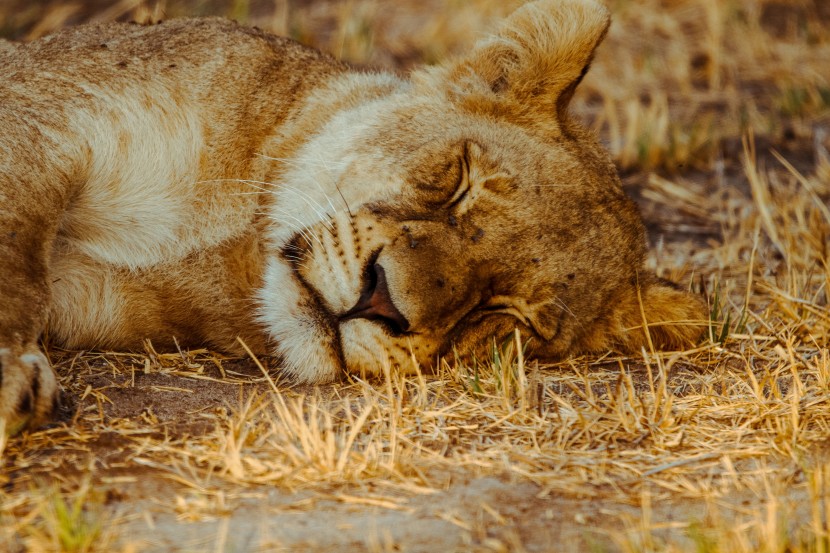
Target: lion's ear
x,y
534,62
659,314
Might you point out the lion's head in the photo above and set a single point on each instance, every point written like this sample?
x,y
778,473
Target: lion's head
x,y
436,213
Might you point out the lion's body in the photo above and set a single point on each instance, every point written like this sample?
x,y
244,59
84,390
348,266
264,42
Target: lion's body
x,y
151,201
199,182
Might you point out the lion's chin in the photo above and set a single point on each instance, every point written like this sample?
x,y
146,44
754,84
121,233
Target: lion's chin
x,y
364,349
370,349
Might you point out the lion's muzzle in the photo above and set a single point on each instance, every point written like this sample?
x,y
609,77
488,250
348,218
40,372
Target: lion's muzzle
x,y
375,303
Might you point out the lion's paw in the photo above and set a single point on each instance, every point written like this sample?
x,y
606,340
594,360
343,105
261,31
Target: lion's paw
x,y
29,391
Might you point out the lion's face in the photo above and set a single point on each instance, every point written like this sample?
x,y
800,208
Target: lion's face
x,y
451,212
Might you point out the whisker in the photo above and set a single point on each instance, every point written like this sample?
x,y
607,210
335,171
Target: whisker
x,y
324,164
336,185
319,209
564,306
303,230
301,162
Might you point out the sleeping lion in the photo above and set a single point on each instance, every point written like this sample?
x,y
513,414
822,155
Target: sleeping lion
x,y
207,183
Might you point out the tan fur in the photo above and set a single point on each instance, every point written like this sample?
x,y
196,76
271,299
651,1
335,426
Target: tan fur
x,y
199,181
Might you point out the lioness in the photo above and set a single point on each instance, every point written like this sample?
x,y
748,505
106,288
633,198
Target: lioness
x,y
201,181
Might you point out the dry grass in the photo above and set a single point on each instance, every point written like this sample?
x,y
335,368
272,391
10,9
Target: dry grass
x,y
718,114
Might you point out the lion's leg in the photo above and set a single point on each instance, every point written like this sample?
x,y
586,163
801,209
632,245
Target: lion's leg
x,y
33,193
28,389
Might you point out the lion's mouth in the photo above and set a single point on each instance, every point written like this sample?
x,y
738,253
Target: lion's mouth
x,y
375,302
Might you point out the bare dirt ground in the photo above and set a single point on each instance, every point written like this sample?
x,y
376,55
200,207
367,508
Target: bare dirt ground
x,y
718,116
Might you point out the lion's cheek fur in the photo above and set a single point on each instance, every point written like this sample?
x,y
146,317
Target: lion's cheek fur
x,y
307,339
646,314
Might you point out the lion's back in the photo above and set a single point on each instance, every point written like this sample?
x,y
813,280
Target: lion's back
x,y
101,52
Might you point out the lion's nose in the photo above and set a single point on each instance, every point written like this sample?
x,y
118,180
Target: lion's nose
x,y
375,303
